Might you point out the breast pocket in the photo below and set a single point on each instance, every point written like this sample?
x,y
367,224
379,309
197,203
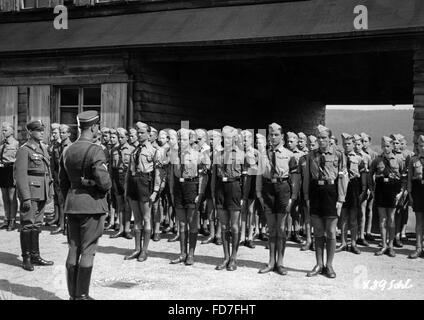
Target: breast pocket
x,y
282,162
35,161
35,189
354,165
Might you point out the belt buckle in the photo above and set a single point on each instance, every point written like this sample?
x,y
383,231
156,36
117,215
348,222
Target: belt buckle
x,y
321,182
1,165
330,181
385,179
274,180
182,179
224,179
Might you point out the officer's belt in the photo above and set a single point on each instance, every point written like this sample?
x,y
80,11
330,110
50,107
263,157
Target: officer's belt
x,y
275,180
37,173
386,179
228,179
323,182
194,179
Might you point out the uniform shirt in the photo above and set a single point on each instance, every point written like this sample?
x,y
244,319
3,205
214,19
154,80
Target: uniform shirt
x,y
230,164
388,166
81,199
32,172
8,150
355,165
415,170
371,153
191,163
144,158
298,154
329,166
284,163
251,161
120,156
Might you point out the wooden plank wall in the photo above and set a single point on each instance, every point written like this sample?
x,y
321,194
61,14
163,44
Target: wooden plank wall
x,y
211,96
418,93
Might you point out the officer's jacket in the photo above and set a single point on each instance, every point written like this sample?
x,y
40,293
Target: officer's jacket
x,y
82,199
415,170
279,163
8,150
32,172
329,166
191,164
120,157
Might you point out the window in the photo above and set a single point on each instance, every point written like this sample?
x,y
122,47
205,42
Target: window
x,y
73,100
31,4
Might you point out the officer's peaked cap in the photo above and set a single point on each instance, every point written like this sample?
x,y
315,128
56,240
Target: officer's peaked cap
x,y
88,118
35,125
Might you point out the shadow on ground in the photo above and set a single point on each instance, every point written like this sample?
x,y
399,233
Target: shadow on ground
x,y
8,288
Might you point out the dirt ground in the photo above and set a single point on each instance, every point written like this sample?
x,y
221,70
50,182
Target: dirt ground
x,y
358,277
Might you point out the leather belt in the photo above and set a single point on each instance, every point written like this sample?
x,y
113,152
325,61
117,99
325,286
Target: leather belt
x,y
386,179
323,182
142,174
275,180
37,173
227,179
195,179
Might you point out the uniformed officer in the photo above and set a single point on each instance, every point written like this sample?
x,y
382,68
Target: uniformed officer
x,y
226,186
187,184
366,140
277,187
84,180
8,149
416,192
324,188
120,158
402,210
387,172
65,141
356,187
33,183
143,182
293,219
53,150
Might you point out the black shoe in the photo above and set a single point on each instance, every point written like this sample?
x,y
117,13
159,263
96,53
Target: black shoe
x,y
267,269
414,255
281,270
11,225
142,257
342,248
5,224
83,283
232,265
249,244
222,266
362,242
116,235
37,260
206,233
381,251
208,240
218,241
156,237
58,230
312,246
391,252
369,237
108,226
127,235
190,260
181,258
397,243
355,250
174,238
315,271
295,238
264,237
329,272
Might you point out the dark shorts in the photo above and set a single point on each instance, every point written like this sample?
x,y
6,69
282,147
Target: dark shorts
x,y
185,194
352,194
84,231
417,194
6,177
385,193
140,187
276,197
118,182
323,200
228,195
250,188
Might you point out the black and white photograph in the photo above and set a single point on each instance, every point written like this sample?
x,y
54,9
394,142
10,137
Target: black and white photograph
x,y
227,151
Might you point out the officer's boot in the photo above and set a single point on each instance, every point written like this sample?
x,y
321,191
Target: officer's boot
x,y
232,265
83,283
35,250
25,237
319,254
331,249
183,248
281,248
143,255
11,225
71,280
271,264
226,244
136,253
192,247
